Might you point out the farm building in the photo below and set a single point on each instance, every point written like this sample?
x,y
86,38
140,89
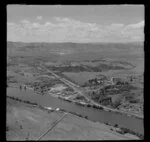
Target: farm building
x,y
105,101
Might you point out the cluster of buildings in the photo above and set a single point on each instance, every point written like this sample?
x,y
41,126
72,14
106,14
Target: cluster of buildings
x,y
108,86
62,91
106,101
132,108
108,81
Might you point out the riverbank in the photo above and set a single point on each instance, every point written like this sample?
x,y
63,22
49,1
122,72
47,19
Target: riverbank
x,y
96,106
93,114
91,104
26,116
120,130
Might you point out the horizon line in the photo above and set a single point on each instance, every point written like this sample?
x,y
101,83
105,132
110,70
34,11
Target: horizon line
x,y
77,42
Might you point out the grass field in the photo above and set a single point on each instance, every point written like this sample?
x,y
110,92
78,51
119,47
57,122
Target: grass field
x,y
81,77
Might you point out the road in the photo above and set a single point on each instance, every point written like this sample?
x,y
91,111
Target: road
x,y
82,92
53,126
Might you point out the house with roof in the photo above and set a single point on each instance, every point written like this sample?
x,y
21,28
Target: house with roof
x,y
105,101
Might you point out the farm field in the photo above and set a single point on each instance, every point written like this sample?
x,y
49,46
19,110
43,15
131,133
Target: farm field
x,y
81,77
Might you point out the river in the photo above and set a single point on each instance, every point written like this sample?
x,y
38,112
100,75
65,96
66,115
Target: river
x,y
93,114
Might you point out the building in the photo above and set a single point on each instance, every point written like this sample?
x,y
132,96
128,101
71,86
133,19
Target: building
x,y
58,87
105,101
115,80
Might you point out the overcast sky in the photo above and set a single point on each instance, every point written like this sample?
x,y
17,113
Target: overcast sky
x,y
89,23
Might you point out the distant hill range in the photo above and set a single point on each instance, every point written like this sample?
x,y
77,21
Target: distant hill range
x,y
68,45
79,51
132,53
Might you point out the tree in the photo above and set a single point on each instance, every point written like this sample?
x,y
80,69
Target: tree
x,y
90,81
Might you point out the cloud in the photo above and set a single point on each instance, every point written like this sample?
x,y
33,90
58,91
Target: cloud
x,y
137,25
134,31
39,17
115,26
68,29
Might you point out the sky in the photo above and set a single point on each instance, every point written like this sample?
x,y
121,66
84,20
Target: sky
x,y
75,23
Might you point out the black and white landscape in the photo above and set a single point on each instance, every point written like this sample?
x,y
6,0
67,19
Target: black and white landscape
x,y
75,72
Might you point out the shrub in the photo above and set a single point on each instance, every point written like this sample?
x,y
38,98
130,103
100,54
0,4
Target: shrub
x,y
106,123
116,125
111,129
21,127
27,102
86,117
17,99
125,130
134,101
